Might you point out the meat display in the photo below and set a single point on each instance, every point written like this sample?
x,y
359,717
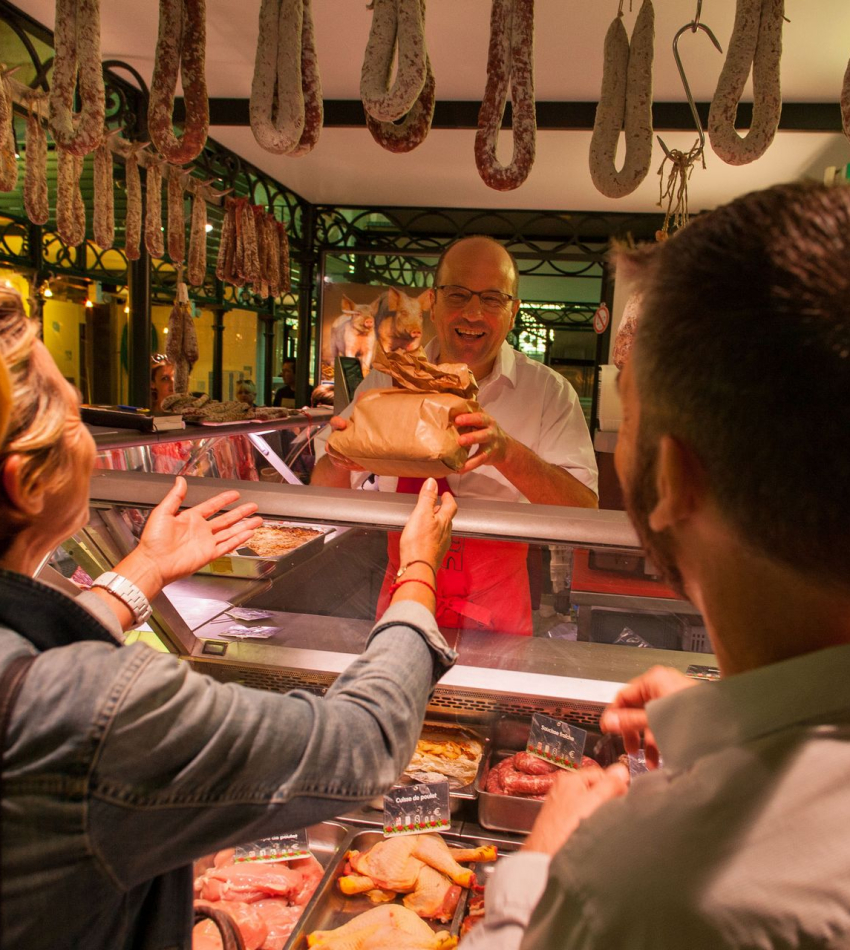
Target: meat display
x,y
271,540
525,776
390,927
422,867
265,900
451,754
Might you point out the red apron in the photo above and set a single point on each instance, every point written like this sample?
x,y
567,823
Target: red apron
x,y
481,585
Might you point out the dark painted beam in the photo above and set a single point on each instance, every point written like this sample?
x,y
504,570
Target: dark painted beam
x,y
551,116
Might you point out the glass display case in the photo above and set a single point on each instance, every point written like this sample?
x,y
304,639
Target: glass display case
x,y
599,616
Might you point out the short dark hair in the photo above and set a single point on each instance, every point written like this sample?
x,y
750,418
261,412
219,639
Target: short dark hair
x,y
477,237
743,353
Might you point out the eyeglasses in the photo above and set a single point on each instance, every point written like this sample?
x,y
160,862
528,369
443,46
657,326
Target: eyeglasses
x,y
492,301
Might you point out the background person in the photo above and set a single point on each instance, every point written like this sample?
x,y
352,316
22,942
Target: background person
x,y
121,765
246,392
162,381
738,842
287,390
531,436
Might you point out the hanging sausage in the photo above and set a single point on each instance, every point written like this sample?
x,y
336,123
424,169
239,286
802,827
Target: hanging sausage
x,y
76,42
180,49
8,159
397,26
36,202
510,65
756,41
625,102
103,225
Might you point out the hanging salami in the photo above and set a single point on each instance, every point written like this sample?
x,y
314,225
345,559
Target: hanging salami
x,y
103,225
154,241
180,50
76,42
133,221
411,132
70,210
510,66
756,42
197,269
8,159
398,29
625,102
311,86
176,218
36,202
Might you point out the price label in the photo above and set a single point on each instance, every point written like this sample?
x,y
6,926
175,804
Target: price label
x,y
555,741
417,809
278,848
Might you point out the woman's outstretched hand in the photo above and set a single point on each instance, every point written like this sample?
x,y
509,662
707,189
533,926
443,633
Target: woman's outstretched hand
x,y
428,532
177,543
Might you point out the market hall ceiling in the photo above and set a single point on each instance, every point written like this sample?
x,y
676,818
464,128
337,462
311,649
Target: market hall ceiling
x,y
348,167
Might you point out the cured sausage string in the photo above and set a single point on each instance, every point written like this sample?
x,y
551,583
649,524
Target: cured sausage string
x,y
625,102
70,210
176,218
396,24
103,224
77,57
197,268
286,109
756,41
8,160
180,48
36,203
510,64
133,222
154,241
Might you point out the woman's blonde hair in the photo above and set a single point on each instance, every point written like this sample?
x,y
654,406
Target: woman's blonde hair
x,y
37,412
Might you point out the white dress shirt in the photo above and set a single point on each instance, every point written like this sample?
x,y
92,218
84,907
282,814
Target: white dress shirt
x,y
741,841
532,403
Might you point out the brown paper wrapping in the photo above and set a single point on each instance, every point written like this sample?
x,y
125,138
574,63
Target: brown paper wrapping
x,y
401,433
414,373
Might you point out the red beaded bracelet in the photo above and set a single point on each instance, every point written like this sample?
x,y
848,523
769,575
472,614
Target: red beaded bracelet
x,y
413,580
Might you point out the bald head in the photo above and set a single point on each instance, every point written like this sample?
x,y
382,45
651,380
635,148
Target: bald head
x,y
476,244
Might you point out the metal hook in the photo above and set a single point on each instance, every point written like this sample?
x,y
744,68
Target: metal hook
x,y
693,26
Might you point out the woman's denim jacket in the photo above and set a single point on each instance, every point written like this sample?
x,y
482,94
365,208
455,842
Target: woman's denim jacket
x,y
122,765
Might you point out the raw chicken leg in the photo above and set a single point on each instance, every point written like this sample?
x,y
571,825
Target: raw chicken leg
x,y
388,927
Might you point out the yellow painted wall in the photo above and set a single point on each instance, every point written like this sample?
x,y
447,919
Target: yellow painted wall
x,y
62,335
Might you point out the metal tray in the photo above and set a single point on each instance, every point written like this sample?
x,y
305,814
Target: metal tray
x,y
249,565
457,794
330,908
508,812
483,873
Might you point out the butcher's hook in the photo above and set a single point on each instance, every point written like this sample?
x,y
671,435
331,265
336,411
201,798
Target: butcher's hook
x,y
693,26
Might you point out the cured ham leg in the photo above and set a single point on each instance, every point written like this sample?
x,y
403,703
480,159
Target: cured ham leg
x,y
389,927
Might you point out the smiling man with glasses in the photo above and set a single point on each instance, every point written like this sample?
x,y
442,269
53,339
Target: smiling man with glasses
x,y
530,441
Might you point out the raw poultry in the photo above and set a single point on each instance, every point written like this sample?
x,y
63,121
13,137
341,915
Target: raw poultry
x,y
422,867
390,927
265,900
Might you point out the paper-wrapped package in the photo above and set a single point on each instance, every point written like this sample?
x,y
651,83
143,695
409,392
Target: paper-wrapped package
x,y
409,431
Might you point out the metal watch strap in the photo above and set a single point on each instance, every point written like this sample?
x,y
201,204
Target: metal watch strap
x,y
127,592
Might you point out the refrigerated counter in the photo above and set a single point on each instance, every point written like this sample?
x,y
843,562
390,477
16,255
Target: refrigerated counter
x,y
322,604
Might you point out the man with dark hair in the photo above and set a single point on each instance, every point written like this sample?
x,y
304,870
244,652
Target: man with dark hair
x,y
287,390
734,456
531,437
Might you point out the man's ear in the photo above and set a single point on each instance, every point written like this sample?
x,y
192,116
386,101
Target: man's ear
x,y
679,484
28,501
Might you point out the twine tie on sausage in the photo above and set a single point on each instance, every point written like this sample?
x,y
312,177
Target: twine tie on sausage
x,y
676,188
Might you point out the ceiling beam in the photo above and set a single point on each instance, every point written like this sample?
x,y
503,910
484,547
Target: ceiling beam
x,y
551,116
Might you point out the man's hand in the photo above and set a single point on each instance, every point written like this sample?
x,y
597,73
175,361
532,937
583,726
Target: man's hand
x,y
627,714
574,797
338,460
487,434
177,543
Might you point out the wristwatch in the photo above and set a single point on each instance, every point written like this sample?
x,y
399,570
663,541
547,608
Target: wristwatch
x,y
129,595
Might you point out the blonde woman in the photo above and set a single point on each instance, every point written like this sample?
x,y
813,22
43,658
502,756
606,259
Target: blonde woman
x,y
121,765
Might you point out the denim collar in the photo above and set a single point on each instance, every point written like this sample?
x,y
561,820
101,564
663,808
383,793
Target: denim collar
x,y
44,616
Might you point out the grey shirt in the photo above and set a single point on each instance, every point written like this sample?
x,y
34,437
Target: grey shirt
x,y
739,842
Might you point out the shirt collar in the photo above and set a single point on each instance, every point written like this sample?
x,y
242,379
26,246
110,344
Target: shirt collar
x,y
699,721
505,365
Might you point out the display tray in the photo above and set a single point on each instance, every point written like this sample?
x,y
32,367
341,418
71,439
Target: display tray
x,y
243,563
483,872
458,793
330,908
325,839
512,813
